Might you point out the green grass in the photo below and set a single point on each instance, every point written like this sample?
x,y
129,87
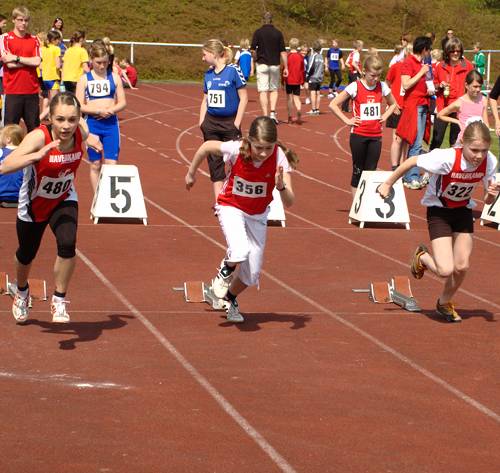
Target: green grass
x,y
378,23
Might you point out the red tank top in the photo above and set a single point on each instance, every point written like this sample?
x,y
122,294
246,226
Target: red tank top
x,y
456,188
367,105
49,181
249,188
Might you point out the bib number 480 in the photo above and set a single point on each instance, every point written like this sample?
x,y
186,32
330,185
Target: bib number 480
x,y
116,191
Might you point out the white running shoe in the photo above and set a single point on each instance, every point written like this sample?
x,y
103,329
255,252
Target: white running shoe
x,y
273,117
58,311
307,101
221,283
20,308
233,313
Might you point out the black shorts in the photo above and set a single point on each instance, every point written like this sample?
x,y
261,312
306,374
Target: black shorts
x,y
25,106
221,129
444,222
44,92
292,89
315,86
392,121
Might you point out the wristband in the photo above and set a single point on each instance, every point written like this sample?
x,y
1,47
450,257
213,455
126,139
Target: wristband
x,y
282,189
18,59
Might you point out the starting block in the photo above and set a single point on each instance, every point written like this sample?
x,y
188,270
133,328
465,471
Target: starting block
x,y
38,288
397,291
198,291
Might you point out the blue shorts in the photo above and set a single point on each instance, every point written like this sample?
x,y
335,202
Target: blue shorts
x,y
51,84
108,132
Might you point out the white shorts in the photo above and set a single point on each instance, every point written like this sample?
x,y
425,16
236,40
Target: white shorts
x,y
268,78
246,239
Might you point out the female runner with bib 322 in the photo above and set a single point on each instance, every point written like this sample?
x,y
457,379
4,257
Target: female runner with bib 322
x,y
50,156
102,96
454,175
258,164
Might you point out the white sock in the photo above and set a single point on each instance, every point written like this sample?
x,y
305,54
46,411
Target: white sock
x,y
57,299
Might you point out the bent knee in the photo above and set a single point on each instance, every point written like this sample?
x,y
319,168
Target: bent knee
x,y
444,271
461,266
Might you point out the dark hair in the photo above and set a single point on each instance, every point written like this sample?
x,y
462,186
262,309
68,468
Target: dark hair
x,y
421,43
55,21
450,45
77,36
264,129
52,35
472,76
64,98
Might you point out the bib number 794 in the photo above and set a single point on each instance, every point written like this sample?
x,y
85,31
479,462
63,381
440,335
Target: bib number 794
x,y
116,191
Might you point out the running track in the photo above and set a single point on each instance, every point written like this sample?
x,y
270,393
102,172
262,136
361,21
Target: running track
x,y
316,380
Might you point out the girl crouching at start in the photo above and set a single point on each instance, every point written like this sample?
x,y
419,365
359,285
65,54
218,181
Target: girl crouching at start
x,y
454,173
257,165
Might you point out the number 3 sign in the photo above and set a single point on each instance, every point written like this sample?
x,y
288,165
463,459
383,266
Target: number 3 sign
x,y
119,194
368,205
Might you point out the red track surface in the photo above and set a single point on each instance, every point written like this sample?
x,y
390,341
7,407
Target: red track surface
x,y
317,380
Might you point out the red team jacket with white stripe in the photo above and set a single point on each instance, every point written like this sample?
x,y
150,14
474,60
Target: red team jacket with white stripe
x,y
250,188
49,181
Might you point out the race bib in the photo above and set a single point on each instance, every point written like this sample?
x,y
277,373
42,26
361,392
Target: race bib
x,y
99,88
370,111
216,98
334,56
54,187
249,189
458,191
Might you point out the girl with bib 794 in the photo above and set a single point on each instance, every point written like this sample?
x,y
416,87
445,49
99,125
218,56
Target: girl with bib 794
x,y
257,165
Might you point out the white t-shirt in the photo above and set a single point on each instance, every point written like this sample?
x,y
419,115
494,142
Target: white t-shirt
x,y
440,162
352,89
231,149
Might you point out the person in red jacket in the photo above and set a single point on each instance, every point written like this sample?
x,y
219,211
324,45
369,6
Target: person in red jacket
x,y
449,79
20,54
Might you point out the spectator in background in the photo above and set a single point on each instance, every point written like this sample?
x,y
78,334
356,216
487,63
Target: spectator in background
x,y
450,84
111,53
334,60
294,80
130,73
353,64
493,102
20,53
449,34
76,61
3,24
315,74
244,59
268,46
479,60
10,138
58,25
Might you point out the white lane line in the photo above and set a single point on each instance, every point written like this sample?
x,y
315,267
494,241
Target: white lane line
x,y
226,406
62,379
428,374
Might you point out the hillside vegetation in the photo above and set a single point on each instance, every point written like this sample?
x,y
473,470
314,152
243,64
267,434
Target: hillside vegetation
x,y
379,24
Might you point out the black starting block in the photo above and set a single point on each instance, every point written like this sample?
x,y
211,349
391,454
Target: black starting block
x,y
198,291
397,291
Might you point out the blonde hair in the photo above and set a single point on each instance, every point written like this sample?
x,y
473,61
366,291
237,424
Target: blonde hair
x,y
98,49
107,44
21,11
245,43
358,44
437,55
372,51
218,49
476,131
14,133
373,63
264,129
293,43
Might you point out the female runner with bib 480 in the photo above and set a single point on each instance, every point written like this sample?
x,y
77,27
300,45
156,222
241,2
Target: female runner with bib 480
x,y
454,173
102,96
50,156
257,164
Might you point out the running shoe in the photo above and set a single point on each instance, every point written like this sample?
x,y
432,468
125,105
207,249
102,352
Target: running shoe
x,y
416,267
222,281
233,313
424,180
307,101
311,112
415,185
273,117
20,308
448,311
331,95
58,311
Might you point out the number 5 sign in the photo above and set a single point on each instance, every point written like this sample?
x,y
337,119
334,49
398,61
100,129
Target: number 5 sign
x,y
119,194
368,206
